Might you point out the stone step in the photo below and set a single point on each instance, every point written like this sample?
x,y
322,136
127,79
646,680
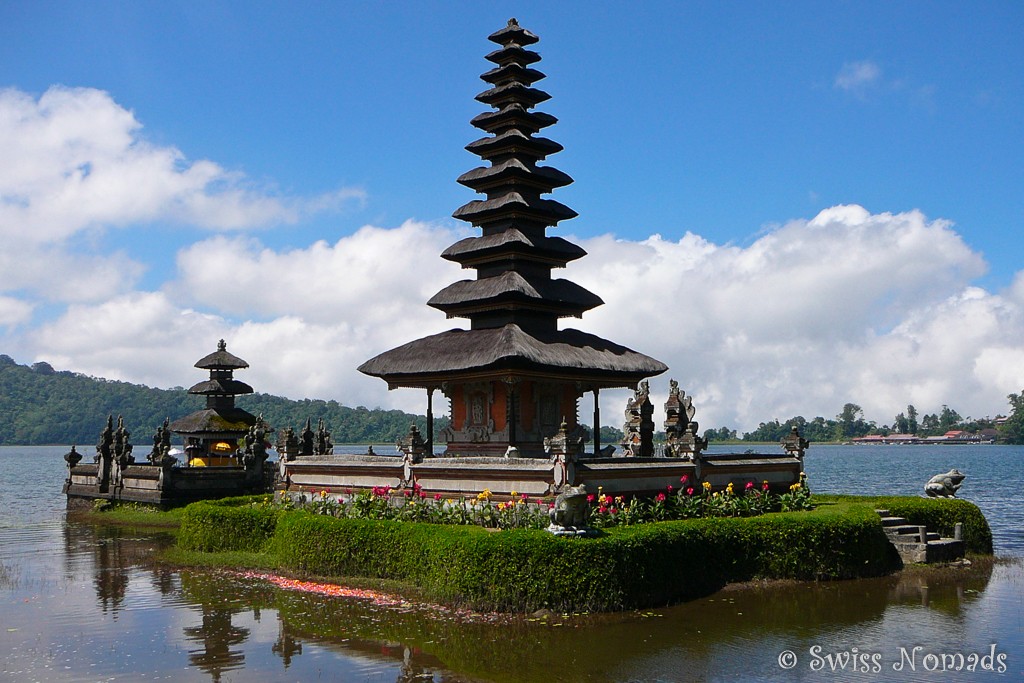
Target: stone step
x,y
906,538
914,537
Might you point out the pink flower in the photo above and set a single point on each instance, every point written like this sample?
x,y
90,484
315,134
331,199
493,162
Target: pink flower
x,y
683,479
407,493
590,498
614,511
749,485
689,491
437,496
602,509
551,506
660,497
764,486
670,488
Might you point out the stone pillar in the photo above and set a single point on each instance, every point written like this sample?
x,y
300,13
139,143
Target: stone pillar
x,y
597,422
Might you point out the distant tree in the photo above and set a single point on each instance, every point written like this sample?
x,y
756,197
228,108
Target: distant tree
x,y
850,422
43,368
720,434
900,424
949,419
1012,430
911,419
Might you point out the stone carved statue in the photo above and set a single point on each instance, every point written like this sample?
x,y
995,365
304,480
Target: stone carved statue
x,y
324,445
161,443
288,445
413,445
682,439
794,444
254,453
569,516
306,439
945,485
565,442
639,426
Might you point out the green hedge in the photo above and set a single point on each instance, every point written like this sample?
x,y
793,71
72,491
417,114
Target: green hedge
x,y
625,567
938,514
621,568
242,523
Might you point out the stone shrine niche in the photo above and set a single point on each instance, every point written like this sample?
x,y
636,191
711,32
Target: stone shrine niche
x,y
478,412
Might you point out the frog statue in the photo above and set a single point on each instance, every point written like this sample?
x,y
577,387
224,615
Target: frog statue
x,y
569,515
945,485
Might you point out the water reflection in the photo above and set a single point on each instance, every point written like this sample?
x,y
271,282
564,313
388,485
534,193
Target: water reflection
x,y
85,603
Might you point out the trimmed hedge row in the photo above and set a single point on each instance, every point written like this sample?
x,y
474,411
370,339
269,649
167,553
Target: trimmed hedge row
x,y
938,514
625,567
244,523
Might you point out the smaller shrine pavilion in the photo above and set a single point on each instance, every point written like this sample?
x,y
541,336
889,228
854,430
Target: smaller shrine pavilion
x,y
212,435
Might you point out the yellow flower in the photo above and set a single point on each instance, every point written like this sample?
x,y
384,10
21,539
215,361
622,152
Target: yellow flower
x,y
707,486
513,493
794,487
450,501
728,489
484,495
501,506
323,493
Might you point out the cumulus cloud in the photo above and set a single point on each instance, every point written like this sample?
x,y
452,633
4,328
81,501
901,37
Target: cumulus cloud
x,y
857,76
849,306
76,163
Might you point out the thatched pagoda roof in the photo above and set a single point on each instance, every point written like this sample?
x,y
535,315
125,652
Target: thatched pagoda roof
x,y
213,423
514,303
221,359
566,353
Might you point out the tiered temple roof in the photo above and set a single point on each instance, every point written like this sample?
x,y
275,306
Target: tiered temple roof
x,y
513,304
221,418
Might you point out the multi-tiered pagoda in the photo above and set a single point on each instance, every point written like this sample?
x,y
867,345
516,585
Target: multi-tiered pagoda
x,y
212,434
514,376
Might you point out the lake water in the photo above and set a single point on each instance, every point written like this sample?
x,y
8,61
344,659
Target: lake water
x,y
83,603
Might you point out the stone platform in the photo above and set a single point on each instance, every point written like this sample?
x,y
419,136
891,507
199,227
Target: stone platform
x,y
540,477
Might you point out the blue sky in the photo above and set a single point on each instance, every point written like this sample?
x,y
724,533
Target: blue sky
x,y
725,129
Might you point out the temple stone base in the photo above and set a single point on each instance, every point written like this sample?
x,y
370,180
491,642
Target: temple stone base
x,y
174,487
539,477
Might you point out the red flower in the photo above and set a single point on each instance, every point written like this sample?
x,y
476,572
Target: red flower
x,y
614,511
437,496
590,498
407,493
764,486
660,497
670,488
602,509
689,491
683,479
749,485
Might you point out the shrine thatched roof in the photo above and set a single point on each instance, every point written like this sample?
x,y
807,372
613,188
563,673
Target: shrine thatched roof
x,y
212,421
564,353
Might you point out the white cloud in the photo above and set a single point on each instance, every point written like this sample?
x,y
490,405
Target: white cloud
x,y
876,309
856,76
75,164
13,311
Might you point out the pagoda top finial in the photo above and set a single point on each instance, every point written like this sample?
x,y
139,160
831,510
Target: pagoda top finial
x,y
222,345
513,33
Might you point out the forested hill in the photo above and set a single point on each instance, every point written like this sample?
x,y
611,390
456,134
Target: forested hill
x,y
39,405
